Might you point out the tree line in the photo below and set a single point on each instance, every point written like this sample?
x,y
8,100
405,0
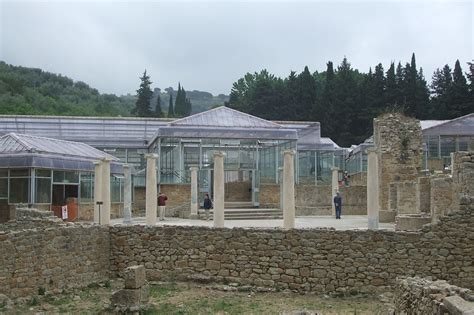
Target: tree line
x,y
181,107
345,100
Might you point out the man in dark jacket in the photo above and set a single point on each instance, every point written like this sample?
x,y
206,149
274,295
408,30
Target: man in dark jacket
x,y
338,205
207,205
162,205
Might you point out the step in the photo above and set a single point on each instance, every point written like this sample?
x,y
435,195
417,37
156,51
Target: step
x,y
238,204
248,214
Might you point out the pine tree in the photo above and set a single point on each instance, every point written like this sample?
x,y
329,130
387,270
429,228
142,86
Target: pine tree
x,y
440,89
306,97
158,111
460,101
170,107
144,94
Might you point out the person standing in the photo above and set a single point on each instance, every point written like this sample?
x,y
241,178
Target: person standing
x,y
162,205
338,204
207,205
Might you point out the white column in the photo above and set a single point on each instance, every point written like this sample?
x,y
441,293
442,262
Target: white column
x,y
97,190
288,189
334,187
372,189
127,194
194,193
105,181
151,190
218,189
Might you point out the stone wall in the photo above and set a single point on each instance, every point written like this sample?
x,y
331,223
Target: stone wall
x,y
53,258
86,211
238,191
423,195
316,200
406,197
178,204
398,140
358,179
441,198
425,297
318,260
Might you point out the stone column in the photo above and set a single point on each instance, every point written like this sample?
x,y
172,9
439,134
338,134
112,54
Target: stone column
x,y
151,190
289,189
218,189
105,181
194,193
334,187
97,190
372,189
127,194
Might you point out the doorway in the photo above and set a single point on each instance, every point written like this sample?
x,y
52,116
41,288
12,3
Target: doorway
x,y
65,195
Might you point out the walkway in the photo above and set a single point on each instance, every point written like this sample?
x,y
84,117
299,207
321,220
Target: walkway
x,y
351,222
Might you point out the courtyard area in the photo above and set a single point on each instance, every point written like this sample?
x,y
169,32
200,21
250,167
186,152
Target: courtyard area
x,y
351,222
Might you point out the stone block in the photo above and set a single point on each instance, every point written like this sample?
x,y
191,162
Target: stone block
x,y
387,216
410,222
456,305
135,277
130,298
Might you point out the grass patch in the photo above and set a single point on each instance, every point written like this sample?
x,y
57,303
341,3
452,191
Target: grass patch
x,y
61,301
158,291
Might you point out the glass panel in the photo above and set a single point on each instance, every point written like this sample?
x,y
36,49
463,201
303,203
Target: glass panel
x,y
20,173
448,145
19,190
43,173
3,187
191,155
43,190
432,144
87,187
3,172
306,166
463,143
66,177
115,191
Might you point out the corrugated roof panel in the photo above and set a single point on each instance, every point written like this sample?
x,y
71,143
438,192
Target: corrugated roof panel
x,y
16,143
224,117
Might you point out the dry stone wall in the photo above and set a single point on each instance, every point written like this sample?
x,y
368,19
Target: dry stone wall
x,y
318,260
425,297
52,257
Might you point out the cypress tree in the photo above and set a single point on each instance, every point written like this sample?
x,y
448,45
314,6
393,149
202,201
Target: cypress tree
x,y
158,111
391,91
144,93
170,107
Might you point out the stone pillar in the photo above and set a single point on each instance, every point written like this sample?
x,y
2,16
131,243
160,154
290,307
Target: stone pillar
x,y
105,181
97,190
151,190
289,189
218,189
127,194
194,193
334,187
372,189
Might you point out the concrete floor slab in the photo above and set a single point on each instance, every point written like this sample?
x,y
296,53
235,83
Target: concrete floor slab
x,y
352,222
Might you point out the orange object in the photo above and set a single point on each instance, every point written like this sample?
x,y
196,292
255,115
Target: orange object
x,y
71,204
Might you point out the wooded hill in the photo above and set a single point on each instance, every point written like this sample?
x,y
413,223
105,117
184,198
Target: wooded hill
x,y
346,100
31,91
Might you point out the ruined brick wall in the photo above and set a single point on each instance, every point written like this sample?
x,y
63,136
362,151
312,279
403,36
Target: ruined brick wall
x,y
318,260
56,257
270,195
414,295
358,179
423,195
406,197
398,140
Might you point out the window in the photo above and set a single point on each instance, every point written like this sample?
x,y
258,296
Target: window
x,y
19,186
66,177
43,186
86,187
116,184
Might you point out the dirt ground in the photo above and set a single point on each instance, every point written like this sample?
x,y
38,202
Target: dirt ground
x,y
191,298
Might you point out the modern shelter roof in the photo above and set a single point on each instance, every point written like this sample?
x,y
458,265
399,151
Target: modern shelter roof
x,y
461,126
108,132
225,123
17,150
224,117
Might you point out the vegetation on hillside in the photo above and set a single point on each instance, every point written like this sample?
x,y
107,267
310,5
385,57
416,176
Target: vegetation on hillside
x,y
35,92
346,100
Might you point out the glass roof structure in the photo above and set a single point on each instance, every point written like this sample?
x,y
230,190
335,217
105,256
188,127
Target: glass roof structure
x,y
129,132
225,123
18,150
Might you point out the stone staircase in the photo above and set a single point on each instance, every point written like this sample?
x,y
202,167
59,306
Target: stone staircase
x,y
245,211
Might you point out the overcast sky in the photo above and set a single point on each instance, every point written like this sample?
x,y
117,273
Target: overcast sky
x,y
209,45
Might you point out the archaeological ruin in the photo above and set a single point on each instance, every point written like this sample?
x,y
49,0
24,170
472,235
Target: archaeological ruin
x,y
426,258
